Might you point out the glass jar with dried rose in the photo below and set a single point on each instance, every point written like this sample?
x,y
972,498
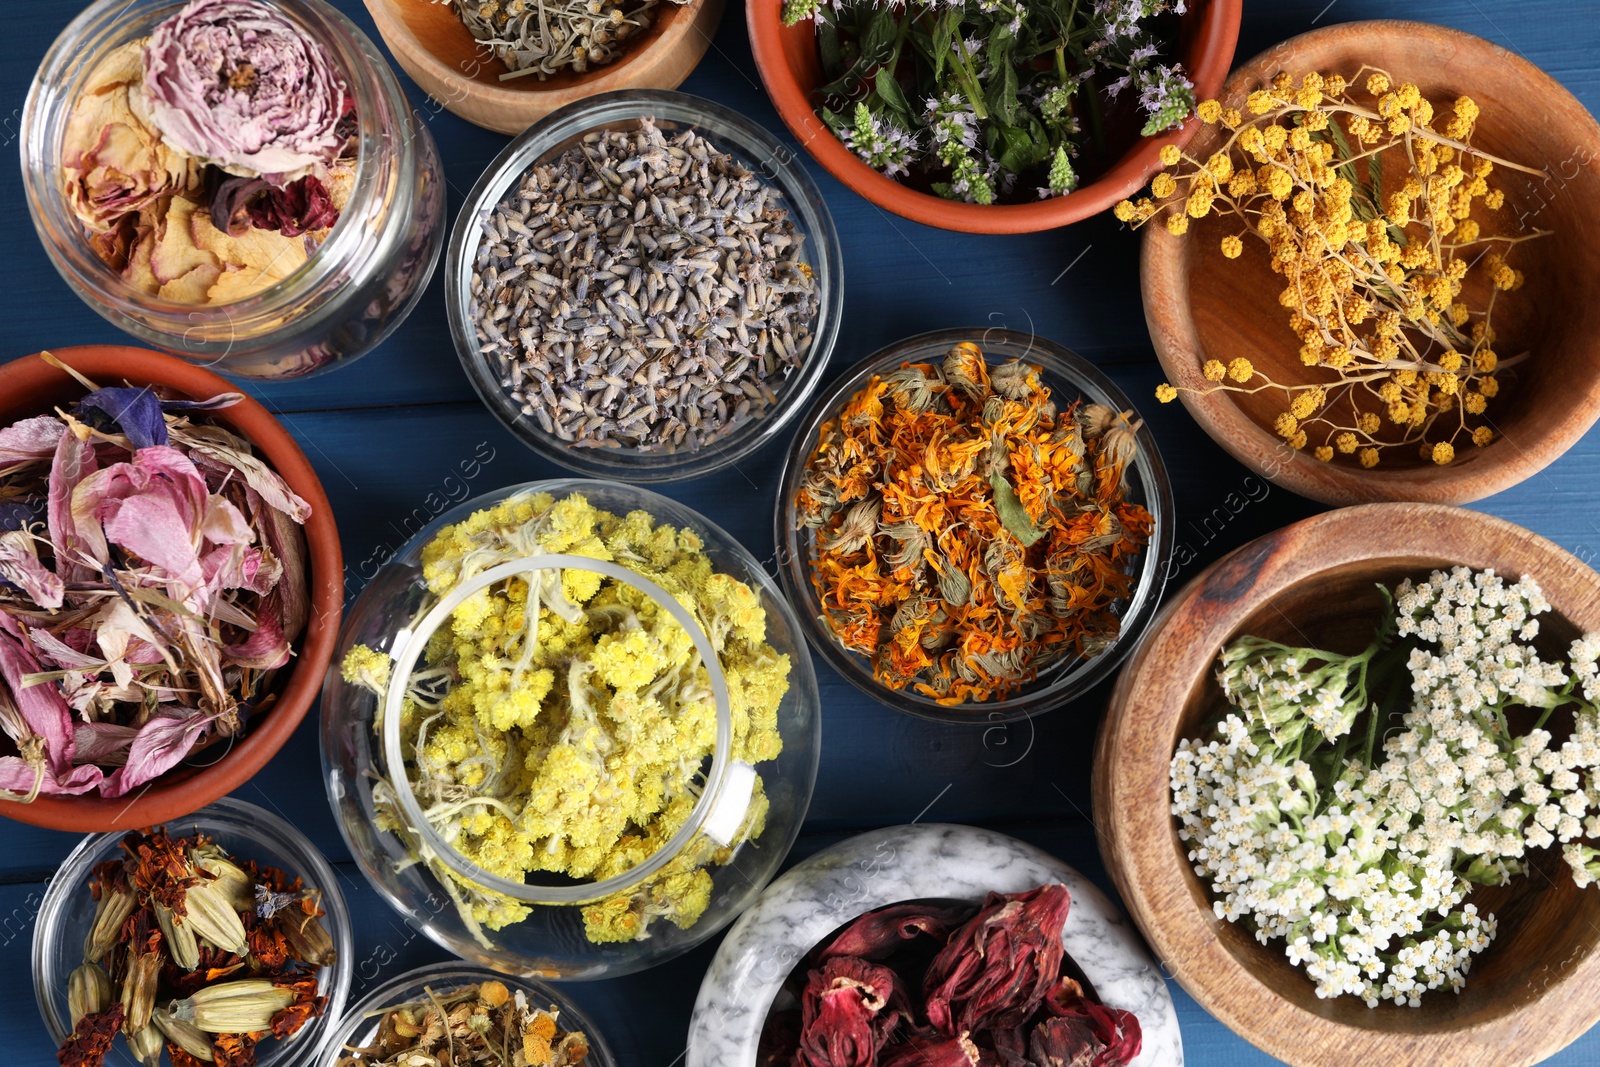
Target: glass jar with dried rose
x,y
240,182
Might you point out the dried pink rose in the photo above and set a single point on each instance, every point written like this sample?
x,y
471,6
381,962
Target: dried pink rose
x,y
237,84
995,971
114,162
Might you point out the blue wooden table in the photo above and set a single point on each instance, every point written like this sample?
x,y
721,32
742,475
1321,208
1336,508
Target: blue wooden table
x,y
386,433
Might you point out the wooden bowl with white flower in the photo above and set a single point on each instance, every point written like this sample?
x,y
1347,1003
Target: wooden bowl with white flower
x,y
1315,584
432,43
1201,305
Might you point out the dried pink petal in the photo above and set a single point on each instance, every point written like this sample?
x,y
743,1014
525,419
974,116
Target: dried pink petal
x,y
162,742
19,565
40,704
30,439
74,460
103,743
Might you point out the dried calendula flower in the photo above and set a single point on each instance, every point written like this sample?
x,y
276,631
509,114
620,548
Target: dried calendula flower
x,y
967,534
483,1025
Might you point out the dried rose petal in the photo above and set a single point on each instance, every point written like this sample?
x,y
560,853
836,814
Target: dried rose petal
x,y
239,85
113,161
995,970
846,1013
879,933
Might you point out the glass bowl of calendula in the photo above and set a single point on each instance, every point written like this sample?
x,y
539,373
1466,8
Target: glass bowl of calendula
x,y
571,729
974,524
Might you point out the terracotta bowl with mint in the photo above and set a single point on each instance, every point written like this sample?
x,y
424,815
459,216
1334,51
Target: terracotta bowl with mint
x,y
158,456
1317,583
1115,160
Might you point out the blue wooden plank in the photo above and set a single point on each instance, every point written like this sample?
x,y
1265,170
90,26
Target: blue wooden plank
x,y
390,436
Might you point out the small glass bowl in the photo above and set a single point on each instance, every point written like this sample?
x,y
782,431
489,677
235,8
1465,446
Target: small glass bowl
x,y
1070,378
347,297
359,1026
394,614
726,131
245,831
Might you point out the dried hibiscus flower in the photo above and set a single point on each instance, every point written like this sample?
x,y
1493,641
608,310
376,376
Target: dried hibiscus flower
x,y
847,1012
994,972
933,984
152,581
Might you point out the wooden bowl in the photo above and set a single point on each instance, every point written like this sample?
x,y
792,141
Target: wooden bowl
x,y
30,386
1199,305
433,46
790,68
1531,992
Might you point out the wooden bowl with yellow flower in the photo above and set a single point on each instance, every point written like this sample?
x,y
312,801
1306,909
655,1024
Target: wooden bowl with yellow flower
x,y
1363,276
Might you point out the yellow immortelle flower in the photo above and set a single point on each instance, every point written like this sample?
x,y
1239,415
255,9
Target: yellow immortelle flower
x,y
1240,369
1306,404
1298,440
1166,393
1177,225
1209,111
1323,453
1489,387
1369,458
1485,361
1232,247
1369,423
1377,83
1260,102
1347,442
1214,370
1475,403
1443,453
1286,425
1123,212
1450,361
1482,436
1170,155
1162,186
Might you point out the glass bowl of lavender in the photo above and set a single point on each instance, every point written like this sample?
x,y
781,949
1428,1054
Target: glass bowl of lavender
x,y
644,286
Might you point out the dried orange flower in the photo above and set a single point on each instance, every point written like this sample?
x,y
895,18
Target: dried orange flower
x,y
967,533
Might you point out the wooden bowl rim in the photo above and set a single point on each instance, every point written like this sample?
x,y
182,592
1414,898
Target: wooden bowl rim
x,y
1163,278
526,94
162,801
1214,43
1138,840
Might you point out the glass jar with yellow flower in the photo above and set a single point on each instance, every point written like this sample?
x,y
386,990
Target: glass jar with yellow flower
x,y
572,729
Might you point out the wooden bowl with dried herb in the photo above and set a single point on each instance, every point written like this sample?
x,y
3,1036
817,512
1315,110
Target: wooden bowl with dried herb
x,y
543,56
1404,318
171,568
1343,787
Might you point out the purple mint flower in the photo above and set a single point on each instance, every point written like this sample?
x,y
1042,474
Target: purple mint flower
x,y
235,83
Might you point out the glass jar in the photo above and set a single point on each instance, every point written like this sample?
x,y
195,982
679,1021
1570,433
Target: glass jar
x,y
725,131
1070,378
245,832
359,1027
411,861
348,296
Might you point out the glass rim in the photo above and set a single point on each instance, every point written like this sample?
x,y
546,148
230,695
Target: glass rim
x,y
1073,679
248,821
75,53
412,640
460,973
758,149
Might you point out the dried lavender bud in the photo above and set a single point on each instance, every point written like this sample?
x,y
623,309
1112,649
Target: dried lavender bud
x,y
642,291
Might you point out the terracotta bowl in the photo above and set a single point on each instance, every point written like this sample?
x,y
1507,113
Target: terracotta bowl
x,y
790,68
1531,992
29,386
456,71
1199,305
